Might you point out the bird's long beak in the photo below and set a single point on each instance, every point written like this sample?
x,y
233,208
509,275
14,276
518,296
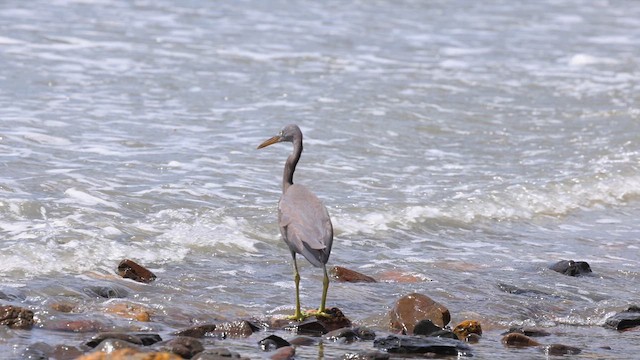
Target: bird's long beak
x,y
273,140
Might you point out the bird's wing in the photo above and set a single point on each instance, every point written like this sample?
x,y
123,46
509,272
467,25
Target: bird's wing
x,y
305,224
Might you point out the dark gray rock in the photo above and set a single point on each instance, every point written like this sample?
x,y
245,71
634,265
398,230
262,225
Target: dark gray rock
x,y
402,344
624,320
571,268
272,342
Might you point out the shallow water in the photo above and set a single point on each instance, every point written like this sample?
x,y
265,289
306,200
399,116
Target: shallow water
x,y
462,144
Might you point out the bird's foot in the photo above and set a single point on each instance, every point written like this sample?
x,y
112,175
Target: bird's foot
x,y
298,317
318,313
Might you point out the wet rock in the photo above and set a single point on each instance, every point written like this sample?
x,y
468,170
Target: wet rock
x,y
560,350
130,354
200,331
78,326
304,341
217,354
284,353
401,277
518,340
466,328
367,355
346,335
63,307
272,342
412,308
97,339
527,331
428,328
129,311
16,317
65,352
38,351
12,295
110,345
527,292
342,274
403,344
107,292
184,346
364,333
571,268
311,327
129,269
235,329
626,319
334,320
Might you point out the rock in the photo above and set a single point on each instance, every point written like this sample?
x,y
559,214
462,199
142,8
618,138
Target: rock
x,y
97,339
284,353
403,344
367,355
107,292
527,292
129,311
308,327
77,326
401,277
217,354
518,340
39,350
16,317
342,274
235,329
345,335
571,268
304,341
334,320
560,350
364,333
184,346
199,331
110,345
272,342
467,327
428,328
527,331
65,352
412,308
624,320
129,269
63,307
130,354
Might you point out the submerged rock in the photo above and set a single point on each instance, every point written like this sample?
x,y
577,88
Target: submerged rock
x,y
518,340
412,308
200,331
143,339
560,350
403,344
527,331
626,319
16,317
284,353
129,269
571,268
367,355
107,291
342,274
511,289
217,354
129,311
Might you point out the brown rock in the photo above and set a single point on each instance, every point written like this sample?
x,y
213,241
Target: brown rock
x,y
342,274
518,340
284,353
467,327
412,308
63,307
129,311
78,326
130,354
131,270
199,331
335,320
235,329
16,317
184,346
560,350
401,277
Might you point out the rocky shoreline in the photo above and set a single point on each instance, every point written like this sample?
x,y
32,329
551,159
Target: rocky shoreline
x,y
418,326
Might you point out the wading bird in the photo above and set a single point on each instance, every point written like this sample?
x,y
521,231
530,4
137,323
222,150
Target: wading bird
x,y
304,221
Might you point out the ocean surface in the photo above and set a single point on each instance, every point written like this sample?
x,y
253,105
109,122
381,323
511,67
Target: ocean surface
x,y
458,145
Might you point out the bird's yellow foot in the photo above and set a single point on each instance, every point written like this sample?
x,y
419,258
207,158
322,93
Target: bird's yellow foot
x,y
298,317
318,313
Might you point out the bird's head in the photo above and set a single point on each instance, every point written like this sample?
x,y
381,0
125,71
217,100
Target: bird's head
x,y
288,134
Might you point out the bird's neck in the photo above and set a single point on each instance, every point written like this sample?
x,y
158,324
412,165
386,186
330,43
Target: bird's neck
x,y
290,165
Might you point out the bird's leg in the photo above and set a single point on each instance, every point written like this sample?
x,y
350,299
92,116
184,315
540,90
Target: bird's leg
x,y
325,287
297,316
